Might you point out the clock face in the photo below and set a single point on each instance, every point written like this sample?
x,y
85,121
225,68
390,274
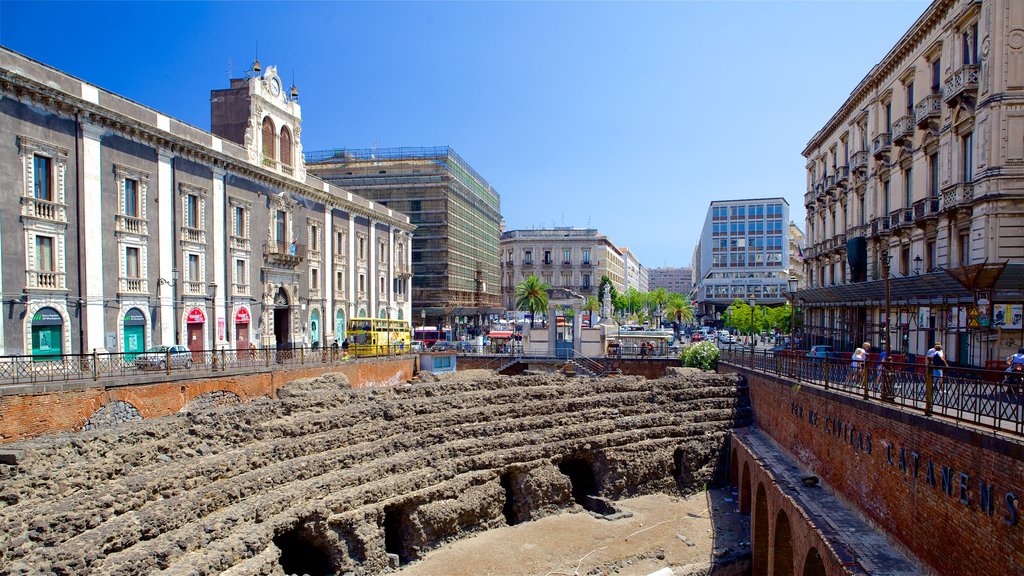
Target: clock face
x,y
275,86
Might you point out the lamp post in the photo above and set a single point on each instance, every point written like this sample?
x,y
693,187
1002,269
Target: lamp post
x,y
753,328
887,392
917,264
792,312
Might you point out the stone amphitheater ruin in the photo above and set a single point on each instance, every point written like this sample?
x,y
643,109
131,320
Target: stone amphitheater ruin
x,y
332,480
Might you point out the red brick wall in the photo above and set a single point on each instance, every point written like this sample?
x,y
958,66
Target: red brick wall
x,y
28,415
829,433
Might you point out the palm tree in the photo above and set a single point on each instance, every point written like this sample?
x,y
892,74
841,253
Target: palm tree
x,y
591,305
531,296
658,299
679,309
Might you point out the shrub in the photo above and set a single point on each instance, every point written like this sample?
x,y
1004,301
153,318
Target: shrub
x,y
703,355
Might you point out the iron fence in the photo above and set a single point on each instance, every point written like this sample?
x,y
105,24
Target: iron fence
x,y
989,398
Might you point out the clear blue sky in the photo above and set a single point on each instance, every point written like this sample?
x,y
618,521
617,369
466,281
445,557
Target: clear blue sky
x,y
627,117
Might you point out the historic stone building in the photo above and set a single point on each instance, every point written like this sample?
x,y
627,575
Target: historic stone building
x,y
915,190
572,258
133,229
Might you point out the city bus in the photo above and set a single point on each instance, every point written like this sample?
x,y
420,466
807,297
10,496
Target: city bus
x,y
377,337
430,334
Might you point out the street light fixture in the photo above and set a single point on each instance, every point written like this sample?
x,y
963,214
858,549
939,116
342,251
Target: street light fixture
x,y
886,259
753,328
917,264
792,312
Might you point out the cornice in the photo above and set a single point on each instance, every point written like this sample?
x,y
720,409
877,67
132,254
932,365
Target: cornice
x,y
94,116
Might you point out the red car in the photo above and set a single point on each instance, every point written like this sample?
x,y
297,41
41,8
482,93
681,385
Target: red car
x,y
697,337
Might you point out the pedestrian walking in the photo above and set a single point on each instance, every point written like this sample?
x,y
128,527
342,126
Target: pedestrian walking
x,y
856,365
937,359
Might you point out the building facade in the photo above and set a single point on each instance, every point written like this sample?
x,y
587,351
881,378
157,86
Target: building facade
x,y
916,184
572,258
744,254
674,280
457,215
135,229
637,275
796,255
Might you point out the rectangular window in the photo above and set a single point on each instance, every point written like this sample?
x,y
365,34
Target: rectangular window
x,y
888,117
887,192
528,257
314,279
281,228
967,157
192,211
908,191
314,237
240,276
566,256
586,280
969,45
240,222
44,254
362,248
936,76
131,198
43,187
905,260
131,262
929,256
339,281
383,286
193,267
362,282
933,175
547,256
965,248
860,208
566,279
910,98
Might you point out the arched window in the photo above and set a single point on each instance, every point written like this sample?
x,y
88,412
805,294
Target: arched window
x,y
286,146
268,139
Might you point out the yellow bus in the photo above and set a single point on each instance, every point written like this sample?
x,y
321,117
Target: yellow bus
x,y
378,337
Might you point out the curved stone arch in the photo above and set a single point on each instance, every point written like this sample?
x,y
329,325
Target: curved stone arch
x,y
782,546
141,306
65,332
183,322
759,531
382,313
112,415
813,564
321,327
211,400
269,133
734,472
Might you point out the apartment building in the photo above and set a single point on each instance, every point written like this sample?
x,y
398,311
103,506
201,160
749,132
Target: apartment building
x,y
796,255
572,258
674,280
133,229
743,253
916,183
637,275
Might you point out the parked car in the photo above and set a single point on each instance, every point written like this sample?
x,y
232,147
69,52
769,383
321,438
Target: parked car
x,y
156,358
418,346
819,352
442,346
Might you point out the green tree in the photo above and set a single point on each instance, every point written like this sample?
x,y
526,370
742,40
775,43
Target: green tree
x,y
619,304
591,305
531,296
658,299
738,317
678,309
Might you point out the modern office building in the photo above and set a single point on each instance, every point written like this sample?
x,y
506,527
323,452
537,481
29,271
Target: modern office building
x,y
457,216
744,254
637,276
573,258
132,228
674,280
923,167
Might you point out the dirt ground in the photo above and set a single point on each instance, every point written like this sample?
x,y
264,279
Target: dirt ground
x,y
664,531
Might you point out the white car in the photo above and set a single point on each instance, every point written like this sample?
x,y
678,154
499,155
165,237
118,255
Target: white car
x,y
156,358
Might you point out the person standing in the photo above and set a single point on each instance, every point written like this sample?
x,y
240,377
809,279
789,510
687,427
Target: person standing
x,y
858,358
938,361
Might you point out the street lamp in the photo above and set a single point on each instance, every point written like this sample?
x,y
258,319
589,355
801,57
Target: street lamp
x,y
917,264
753,306
792,312
886,258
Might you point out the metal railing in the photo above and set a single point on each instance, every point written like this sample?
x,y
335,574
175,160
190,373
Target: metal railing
x,y
988,398
36,369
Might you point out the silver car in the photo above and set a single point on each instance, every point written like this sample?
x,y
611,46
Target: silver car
x,y
156,358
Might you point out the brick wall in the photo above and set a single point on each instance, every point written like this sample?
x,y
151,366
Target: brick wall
x,y
867,452
650,368
27,415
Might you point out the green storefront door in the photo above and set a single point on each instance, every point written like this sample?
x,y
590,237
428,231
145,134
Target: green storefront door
x,y
134,334
46,335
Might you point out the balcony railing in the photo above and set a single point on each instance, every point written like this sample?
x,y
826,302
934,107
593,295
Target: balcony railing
x,y
881,146
240,290
901,217
193,235
133,285
842,175
195,288
903,130
859,161
929,109
314,255
131,225
925,209
963,83
958,195
33,207
45,280
839,242
830,182
240,243
284,253
809,198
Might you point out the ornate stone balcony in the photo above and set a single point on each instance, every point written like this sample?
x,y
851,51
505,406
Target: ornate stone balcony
x,y
830,182
962,85
32,207
286,254
903,131
133,285
881,146
131,225
240,290
240,243
859,161
925,210
809,198
901,217
194,288
193,235
842,175
958,195
45,280
928,110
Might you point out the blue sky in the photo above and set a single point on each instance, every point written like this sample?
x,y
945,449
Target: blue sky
x,y
626,117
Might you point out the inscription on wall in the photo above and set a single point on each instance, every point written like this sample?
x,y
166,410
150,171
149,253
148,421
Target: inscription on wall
x,y
967,487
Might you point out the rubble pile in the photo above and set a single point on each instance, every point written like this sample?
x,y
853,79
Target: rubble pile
x,y
330,480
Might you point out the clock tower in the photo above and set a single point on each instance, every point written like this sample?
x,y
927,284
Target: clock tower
x,y
258,113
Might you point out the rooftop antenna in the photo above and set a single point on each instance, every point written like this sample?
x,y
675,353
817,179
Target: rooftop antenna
x,y
229,69
256,68
294,90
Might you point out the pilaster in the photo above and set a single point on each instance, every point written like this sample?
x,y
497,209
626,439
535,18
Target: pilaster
x,y
92,236
220,268
166,283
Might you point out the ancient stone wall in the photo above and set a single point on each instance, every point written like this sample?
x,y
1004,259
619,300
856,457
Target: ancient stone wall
x,y
336,480
949,493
